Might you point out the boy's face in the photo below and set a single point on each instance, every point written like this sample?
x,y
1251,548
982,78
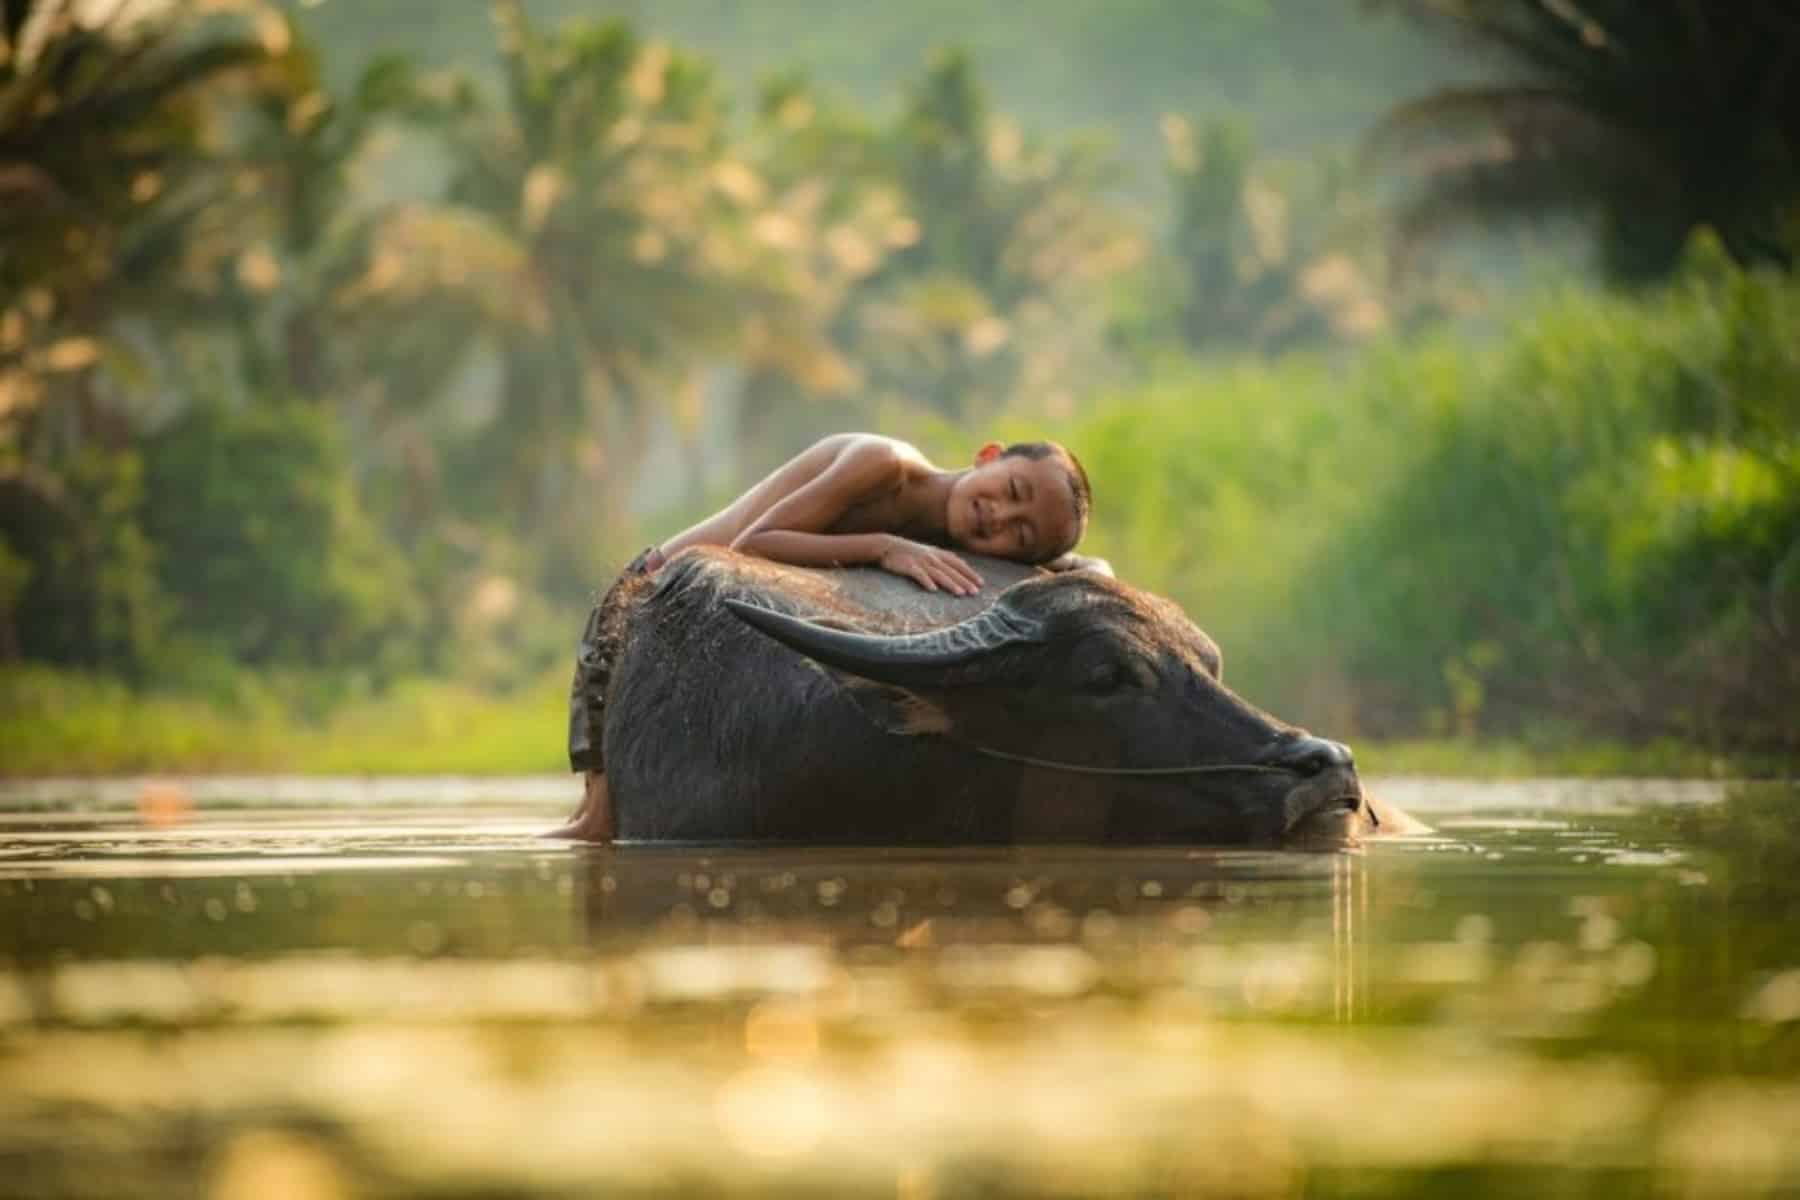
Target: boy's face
x,y
1017,507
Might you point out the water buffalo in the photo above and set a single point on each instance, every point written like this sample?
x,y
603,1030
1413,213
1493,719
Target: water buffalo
x,y
757,702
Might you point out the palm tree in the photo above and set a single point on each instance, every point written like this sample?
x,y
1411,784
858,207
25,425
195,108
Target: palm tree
x,y
833,215
1656,116
115,198
304,236
1255,260
107,177
995,300
595,238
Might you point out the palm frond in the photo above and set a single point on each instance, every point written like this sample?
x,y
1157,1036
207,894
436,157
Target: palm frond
x,y
387,84
1664,112
1510,28
1495,184
1459,113
197,67
1475,188
13,15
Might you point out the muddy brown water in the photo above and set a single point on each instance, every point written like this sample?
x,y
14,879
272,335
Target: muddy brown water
x,y
294,988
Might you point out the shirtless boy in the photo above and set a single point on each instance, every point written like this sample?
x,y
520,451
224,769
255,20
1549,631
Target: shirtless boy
x,y
858,499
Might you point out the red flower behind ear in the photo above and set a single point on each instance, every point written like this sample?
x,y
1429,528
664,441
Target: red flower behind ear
x,y
988,454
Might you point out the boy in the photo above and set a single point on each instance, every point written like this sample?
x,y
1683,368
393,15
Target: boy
x,y
856,499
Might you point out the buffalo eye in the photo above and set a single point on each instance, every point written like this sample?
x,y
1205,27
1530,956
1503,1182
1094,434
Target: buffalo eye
x,y
1105,678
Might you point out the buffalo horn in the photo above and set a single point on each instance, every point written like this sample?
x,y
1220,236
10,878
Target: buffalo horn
x,y
894,658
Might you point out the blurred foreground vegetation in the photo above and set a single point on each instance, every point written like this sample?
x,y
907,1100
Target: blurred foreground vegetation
x,y
333,382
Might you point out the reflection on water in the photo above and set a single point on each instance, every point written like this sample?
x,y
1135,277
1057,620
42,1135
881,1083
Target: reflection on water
x,y
1564,988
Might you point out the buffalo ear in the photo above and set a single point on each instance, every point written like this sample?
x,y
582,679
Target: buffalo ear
x,y
900,711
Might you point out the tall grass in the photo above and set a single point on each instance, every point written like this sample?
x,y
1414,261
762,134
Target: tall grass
x,y
1589,525
62,722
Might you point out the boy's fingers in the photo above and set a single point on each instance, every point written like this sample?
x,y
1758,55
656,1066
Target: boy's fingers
x,y
938,570
966,571
957,569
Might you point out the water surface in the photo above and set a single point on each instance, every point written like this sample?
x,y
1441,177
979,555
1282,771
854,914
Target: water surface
x,y
287,988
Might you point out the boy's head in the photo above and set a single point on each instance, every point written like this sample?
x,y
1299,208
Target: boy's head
x,y
1028,501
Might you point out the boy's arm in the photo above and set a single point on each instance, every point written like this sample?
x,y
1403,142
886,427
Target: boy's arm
x,y
931,567
857,472
792,530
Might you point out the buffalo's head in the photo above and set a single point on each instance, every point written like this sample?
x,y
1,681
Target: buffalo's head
x,y
1113,686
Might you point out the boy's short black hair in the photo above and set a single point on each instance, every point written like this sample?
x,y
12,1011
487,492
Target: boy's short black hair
x,y
1079,488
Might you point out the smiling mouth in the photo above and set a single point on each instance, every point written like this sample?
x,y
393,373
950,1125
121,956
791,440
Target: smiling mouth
x,y
981,529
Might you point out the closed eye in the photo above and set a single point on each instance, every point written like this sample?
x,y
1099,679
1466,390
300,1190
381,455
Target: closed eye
x,y
1012,487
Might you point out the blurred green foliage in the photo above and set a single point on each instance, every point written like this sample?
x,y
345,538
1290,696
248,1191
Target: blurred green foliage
x,y
55,721
266,555
1593,521
82,568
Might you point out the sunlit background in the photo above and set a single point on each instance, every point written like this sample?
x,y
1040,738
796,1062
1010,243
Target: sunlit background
x,y
1440,357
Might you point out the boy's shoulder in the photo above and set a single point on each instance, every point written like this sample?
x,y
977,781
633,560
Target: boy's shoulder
x,y
871,450
866,443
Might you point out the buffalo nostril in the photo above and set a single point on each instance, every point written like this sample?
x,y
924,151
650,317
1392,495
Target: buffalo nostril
x,y
1312,755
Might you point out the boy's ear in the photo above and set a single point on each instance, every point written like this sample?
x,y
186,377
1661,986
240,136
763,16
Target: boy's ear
x,y
988,453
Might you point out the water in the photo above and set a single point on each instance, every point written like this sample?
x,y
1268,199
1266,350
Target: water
x,y
294,989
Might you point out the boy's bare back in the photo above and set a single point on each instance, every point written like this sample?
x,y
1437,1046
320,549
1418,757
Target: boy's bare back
x,y
849,498
858,498
855,468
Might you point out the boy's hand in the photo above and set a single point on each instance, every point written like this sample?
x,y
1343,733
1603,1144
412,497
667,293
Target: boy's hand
x,y
1080,562
931,568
